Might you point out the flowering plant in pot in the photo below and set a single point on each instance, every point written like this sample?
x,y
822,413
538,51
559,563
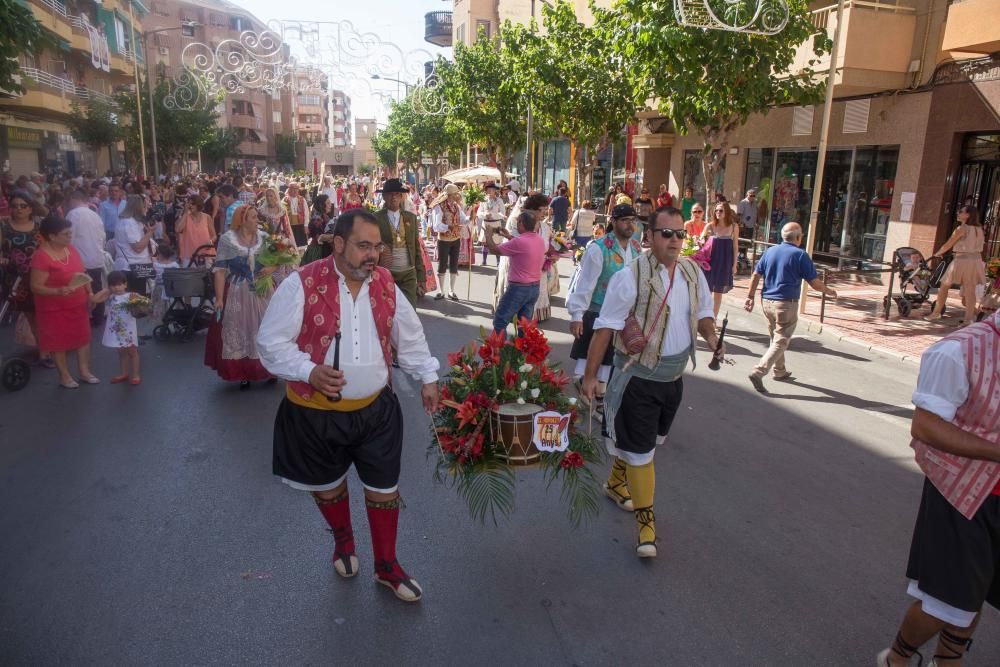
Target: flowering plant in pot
x,y
492,393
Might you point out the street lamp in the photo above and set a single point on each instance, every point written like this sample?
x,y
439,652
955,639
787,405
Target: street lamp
x,y
406,86
185,25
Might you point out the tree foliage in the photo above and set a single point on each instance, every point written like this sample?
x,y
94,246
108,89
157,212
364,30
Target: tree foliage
x,y
571,74
96,125
20,33
412,131
487,100
224,143
711,81
284,147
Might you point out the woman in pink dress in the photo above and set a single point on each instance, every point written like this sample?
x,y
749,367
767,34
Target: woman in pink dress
x,y
194,229
62,315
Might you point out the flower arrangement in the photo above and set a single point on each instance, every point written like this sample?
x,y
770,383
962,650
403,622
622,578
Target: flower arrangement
x,y
275,251
468,446
561,242
473,194
139,306
692,244
993,268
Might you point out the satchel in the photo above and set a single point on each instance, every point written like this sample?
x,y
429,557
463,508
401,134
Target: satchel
x,y
634,339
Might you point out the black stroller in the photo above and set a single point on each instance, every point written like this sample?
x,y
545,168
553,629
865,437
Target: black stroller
x,y
15,373
182,319
916,279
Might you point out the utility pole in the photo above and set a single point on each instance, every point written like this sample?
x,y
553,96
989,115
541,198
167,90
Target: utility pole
x,y
138,90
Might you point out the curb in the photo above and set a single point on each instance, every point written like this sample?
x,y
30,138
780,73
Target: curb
x,y
832,333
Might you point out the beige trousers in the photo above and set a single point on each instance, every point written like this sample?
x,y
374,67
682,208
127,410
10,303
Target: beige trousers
x,y
782,316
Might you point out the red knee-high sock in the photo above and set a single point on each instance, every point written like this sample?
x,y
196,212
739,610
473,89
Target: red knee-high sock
x,y
383,519
337,513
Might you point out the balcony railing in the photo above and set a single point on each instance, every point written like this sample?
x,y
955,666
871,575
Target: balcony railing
x,y
437,28
821,17
66,86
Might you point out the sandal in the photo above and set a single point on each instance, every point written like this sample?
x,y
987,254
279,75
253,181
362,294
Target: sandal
x,y
72,384
118,378
90,379
135,381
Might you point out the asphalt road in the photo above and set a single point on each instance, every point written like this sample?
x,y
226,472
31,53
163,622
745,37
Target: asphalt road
x,y
143,526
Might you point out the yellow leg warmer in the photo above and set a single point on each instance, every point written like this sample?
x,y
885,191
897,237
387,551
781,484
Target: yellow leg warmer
x,y
617,485
642,484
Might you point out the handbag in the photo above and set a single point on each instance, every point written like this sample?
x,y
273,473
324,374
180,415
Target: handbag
x,y
634,338
142,271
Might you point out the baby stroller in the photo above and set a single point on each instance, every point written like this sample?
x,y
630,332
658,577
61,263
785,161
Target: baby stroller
x,y
916,279
15,373
183,319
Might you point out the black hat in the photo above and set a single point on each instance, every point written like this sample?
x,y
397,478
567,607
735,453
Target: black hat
x,y
393,185
623,211
491,184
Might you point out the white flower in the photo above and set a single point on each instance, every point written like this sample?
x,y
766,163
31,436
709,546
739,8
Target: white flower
x,y
572,400
524,384
526,368
498,393
520,401
535,393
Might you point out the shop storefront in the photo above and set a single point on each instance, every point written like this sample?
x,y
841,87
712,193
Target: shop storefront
x,y
854,204
22,149
693,176
979,185
556,164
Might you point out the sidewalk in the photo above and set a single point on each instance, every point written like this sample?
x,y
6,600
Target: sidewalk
x,y
856,316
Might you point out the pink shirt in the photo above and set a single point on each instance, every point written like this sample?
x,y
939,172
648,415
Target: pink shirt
x,y
527,254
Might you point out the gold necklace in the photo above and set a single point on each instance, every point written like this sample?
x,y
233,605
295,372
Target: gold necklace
x,y
65,260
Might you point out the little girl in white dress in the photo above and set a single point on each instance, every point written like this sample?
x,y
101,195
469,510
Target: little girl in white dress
x,y
120,328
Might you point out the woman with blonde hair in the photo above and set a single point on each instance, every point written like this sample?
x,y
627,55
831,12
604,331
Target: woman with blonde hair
x,y
231,348
722,230
967,270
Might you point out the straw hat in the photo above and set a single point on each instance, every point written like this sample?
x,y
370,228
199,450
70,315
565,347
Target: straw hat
x,y
450,189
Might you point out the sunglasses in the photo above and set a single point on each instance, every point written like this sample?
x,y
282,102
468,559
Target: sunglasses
x,y
698,212
668,233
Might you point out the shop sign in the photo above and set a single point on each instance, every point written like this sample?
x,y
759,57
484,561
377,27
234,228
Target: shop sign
x,y
22,137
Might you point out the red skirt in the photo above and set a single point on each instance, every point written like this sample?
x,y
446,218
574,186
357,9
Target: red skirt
x,y
244,369
62,330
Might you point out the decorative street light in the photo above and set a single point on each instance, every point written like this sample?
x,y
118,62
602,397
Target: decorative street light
x,y
185,25
406,86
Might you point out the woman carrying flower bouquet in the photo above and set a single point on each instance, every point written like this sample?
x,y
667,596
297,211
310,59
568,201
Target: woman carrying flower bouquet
x,y
230,349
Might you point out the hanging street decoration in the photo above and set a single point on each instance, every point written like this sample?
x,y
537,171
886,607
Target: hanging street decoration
x,y
758,17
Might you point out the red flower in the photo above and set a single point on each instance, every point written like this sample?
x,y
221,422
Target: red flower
x,y
548,376
571,460
496,340
467,414
510,378
446,393
455,358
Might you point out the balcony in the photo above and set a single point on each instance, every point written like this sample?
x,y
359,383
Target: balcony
x,y
968,30
48,93
245,121
437,28
876,44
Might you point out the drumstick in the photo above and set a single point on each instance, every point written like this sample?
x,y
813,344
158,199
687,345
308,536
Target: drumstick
x,y
336,364
715,363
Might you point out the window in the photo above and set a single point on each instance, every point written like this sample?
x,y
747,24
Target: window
x,y
694,177
276,117
240,23
460,34
187,29
239,108
311,100
482,27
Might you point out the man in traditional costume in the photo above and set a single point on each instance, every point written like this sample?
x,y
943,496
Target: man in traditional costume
x,y
491,212
402,254
954,564
330,331
601,260
298,213
449,221
645,389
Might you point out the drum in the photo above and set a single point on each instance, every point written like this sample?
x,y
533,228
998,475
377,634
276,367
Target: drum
x,y
512,427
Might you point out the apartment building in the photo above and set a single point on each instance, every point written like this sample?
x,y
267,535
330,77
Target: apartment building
x,y
311,104
258,116
93,60
341,119
914,133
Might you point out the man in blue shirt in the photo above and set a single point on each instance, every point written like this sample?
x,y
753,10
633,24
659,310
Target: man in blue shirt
x,y
560,206
783,268
111,208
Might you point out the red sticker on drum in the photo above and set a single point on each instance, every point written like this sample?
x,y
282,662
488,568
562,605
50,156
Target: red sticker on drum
x,y
551,432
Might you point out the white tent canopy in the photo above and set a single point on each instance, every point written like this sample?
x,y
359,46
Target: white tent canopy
x,y
479,174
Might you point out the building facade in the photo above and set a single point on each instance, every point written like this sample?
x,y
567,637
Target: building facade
x,y
257,116
340,119
914,133
97,47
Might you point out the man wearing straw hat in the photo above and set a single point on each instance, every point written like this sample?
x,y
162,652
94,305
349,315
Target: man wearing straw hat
x,y
665,298
339,409
402,255
449,221
298,213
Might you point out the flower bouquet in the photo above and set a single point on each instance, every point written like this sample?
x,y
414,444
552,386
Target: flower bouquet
x,y
139,306
561,243
472,195
476,445
993,269
275,251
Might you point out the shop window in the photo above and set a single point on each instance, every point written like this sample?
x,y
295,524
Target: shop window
x,y
693,176
793,185
759,177
555,164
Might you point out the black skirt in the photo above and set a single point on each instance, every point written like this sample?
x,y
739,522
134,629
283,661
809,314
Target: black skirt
x,y
582,344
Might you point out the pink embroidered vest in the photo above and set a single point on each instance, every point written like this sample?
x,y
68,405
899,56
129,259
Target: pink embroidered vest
x,y
321,317
965,482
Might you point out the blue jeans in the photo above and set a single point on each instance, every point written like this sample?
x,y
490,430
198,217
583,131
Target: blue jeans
x,y
518,300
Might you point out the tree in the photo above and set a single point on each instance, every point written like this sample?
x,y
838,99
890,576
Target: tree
x,y
20,33
575,93
225,143
412,131
97,125
285,148
486,100
711,81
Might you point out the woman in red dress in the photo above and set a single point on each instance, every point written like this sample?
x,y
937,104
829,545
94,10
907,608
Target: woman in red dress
x,y
61,312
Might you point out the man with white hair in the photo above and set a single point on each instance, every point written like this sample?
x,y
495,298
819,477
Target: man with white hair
x,y
783,268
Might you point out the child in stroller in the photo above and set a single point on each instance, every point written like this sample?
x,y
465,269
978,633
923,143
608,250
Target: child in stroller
x,y
183,286
916,279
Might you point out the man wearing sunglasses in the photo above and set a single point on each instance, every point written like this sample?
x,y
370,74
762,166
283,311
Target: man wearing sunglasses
x,y
668,297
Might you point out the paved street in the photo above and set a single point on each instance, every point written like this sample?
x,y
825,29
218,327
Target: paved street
x,y
143,526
